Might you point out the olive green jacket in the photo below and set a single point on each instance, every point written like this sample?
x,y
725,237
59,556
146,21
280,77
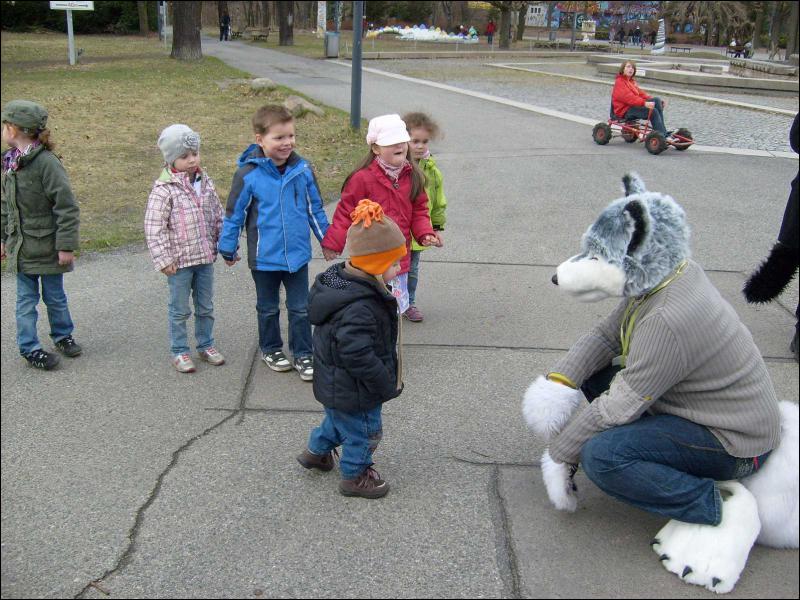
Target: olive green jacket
x,y
437,203
40,216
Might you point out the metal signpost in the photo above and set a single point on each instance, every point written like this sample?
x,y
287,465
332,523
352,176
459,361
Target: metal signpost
x,y
69,7
355,80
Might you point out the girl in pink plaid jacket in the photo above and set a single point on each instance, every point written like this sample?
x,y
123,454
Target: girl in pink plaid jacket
x,y
182,224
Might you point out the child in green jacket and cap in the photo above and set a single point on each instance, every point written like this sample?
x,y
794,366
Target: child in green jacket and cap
x,y
39,230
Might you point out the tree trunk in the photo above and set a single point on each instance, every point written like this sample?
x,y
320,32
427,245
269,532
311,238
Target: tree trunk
x,y
523,11
759,25
186,30
222,8
794,20
775,30
286,22
505,27
265,14
447,7
144,27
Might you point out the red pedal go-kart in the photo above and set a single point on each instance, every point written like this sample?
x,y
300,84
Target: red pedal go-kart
x,y
640,130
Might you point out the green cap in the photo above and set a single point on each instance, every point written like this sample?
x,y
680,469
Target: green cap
x,y
25,114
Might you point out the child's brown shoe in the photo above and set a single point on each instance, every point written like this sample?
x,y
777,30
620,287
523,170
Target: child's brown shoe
x,y
367,485
309,460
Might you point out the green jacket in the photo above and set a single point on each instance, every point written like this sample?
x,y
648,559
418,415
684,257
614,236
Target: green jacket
x,y
40,216
434,189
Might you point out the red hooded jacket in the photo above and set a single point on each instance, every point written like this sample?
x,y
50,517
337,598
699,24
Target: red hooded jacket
x,y
411,217
626,94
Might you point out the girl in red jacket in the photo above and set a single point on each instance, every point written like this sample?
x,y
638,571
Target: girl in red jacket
x,y
629,101
389,177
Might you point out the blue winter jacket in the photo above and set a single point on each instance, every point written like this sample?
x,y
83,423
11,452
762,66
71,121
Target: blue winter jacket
x,y
277,211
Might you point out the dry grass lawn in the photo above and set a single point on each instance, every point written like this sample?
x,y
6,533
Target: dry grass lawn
x,y
106,114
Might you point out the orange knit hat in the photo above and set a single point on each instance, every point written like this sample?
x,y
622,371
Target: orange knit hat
x,y
374,240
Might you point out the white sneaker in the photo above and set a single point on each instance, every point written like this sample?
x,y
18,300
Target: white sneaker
x,y
183,363
212,356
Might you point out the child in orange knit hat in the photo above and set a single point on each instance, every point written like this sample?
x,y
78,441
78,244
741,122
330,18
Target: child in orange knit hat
x,y
356,360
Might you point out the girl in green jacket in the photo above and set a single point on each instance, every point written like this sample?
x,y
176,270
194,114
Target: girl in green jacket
x,y
39,230
422,129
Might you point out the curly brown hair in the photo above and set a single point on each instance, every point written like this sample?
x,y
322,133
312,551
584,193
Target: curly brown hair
x,y
419,120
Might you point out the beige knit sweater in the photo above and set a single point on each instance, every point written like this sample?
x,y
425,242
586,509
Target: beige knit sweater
x,y
690,356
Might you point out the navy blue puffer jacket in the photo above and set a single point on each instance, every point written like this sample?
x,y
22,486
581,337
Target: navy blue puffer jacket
x,y
355,339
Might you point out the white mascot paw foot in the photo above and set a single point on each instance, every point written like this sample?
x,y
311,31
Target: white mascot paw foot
x,y
559,485
776,487
548,406
708,555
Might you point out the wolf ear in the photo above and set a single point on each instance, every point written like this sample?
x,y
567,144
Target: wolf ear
x,y
633,184
637,213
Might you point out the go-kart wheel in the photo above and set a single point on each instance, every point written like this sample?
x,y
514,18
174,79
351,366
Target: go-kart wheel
x,y
655,142
680,144
601,133
629,136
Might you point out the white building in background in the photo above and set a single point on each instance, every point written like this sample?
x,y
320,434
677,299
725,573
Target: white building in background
x,y
537,14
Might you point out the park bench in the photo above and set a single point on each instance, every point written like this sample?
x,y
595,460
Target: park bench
x,y
236,33
615,46
735,51
681,48
256,33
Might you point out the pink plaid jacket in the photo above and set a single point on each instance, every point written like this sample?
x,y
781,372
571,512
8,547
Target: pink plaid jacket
x,y
181,227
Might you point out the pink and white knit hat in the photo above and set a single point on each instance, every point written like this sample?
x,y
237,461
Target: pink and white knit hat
x,y
387,130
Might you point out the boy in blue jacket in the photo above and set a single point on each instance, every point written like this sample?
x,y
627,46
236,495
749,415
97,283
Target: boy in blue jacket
x,y
275,195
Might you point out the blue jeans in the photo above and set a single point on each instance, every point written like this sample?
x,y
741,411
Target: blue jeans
x,y
197,281
55,299
413,275
656,119
357,433
268,285
665,465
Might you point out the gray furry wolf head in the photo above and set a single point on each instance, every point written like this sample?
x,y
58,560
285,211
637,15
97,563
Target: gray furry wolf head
x,y
635,243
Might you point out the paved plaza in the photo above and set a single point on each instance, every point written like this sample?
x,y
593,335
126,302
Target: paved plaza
x,y
124,479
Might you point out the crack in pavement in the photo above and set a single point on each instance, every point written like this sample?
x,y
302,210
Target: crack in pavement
x,y
133,533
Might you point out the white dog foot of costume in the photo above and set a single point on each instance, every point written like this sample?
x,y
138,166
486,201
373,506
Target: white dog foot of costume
x,y
547,406
712,556
559,485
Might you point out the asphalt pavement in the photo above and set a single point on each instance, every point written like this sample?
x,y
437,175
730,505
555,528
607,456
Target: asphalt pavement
x,y
122,478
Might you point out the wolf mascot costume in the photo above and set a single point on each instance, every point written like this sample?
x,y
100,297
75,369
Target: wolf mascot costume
x,y
680,403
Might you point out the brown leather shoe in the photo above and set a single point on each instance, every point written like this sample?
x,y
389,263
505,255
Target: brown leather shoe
x,y
367,485
309,460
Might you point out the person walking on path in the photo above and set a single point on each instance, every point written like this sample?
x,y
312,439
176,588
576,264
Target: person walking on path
x,y
386,176
225,27
182,225
422,129
355,351
39,229
275,195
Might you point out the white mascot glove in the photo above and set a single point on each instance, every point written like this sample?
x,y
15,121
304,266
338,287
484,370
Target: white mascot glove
x,y
547,406
561,489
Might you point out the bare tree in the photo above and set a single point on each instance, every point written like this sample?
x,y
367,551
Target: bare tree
x,y
265,14
523,11
186,30
144,27
286,22
505,7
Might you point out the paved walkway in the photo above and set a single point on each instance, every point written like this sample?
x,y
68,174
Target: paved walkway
x,y
118,471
